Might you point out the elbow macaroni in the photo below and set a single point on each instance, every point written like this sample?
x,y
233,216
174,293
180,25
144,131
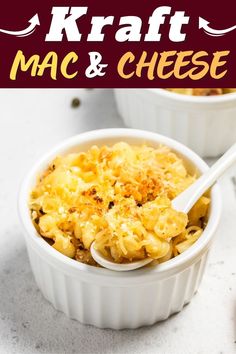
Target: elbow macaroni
x,y
119,197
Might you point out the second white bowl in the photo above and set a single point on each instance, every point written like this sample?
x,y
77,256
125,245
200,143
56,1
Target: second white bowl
x,y
205,124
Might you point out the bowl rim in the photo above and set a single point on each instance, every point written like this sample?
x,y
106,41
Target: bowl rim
x,y
172,265
178,97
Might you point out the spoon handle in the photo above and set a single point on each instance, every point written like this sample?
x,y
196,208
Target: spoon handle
x,y
185,201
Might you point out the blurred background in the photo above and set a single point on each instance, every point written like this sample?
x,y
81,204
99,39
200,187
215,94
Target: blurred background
x,y
33,121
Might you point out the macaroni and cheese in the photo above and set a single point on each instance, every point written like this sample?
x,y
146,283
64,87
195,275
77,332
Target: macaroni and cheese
x,y
203,91
120,198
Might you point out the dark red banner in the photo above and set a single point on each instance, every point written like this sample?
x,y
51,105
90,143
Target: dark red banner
x,y
117,44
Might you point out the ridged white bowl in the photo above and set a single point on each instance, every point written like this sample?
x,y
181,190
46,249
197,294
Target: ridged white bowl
x,y
205,124
109,299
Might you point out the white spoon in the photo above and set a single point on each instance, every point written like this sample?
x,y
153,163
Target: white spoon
x,y
119,267
183,202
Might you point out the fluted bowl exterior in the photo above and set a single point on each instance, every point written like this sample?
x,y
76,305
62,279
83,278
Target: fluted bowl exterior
x,y
109,299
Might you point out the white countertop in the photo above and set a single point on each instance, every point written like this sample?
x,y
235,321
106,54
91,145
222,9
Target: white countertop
x,y
31,122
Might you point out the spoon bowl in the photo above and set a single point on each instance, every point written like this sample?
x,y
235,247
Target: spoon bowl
x,y
119,267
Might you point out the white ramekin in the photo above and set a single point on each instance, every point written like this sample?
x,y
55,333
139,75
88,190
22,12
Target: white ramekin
x,y
105,298
205,124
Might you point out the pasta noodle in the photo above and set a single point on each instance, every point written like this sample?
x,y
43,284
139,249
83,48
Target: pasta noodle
x,y
119,197
203,91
